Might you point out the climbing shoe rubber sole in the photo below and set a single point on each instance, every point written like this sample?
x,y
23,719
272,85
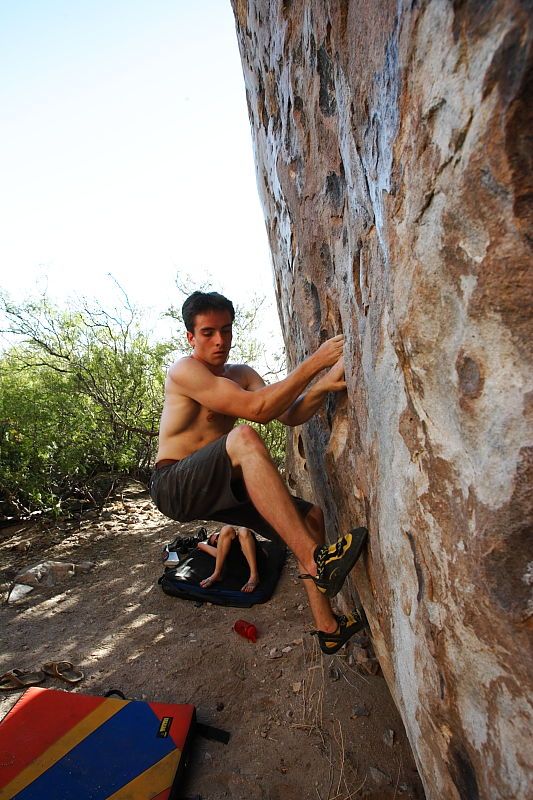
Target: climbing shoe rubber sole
x,y
335,561
347,626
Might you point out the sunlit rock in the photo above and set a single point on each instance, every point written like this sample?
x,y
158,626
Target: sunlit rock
x,y
393,155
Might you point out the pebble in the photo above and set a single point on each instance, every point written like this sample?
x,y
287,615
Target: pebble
x,y
22,547
296,687
359,653
84,566
19,591
380,778
359,711
286,649
388,737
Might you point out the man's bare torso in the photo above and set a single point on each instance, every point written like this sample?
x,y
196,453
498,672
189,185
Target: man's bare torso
x,y
185,425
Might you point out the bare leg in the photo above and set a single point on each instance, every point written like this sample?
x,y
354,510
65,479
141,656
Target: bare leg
x,y
247,543
318,603
251,461
227,535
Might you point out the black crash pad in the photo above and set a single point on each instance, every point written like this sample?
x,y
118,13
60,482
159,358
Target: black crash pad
x,y
184,580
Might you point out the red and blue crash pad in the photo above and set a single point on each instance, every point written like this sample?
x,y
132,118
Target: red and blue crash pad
x,y
57,745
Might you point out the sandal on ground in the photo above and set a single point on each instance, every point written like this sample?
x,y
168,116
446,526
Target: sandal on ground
x,y
335,561
20,679
64,670
347,626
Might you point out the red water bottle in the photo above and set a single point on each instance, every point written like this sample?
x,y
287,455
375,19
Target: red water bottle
x,y
246,629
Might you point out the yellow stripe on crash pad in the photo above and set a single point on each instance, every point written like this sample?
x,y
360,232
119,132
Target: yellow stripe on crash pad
x,y
62,746
152,781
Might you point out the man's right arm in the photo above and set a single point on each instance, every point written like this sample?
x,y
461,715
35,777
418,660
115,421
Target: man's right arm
x,y
308,403
224,396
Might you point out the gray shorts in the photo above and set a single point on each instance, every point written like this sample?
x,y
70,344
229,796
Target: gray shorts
x,y
201,486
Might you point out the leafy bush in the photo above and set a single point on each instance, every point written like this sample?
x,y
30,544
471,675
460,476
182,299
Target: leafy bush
x,y
80,395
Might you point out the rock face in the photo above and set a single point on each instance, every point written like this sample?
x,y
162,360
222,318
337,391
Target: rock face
x,y
393,149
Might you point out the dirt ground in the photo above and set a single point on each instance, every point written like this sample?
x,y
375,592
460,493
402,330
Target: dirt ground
x,y
303,726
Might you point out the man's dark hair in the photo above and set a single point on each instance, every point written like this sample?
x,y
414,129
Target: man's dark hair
x,y
200,302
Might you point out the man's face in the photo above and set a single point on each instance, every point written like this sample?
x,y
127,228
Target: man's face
x,y
211,338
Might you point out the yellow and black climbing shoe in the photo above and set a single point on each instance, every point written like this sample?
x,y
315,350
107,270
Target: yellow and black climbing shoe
x,y
346,627
335,561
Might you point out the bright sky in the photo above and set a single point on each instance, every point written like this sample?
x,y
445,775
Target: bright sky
x,y
126,148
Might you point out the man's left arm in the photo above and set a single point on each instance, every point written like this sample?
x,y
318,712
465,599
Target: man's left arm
x,y
308,403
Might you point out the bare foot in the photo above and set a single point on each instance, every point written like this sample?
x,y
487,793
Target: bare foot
x,y
205,584
251,584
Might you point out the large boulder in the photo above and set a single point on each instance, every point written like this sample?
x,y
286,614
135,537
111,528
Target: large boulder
x,y
393,149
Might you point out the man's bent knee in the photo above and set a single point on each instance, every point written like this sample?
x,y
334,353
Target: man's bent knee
x,y
243,439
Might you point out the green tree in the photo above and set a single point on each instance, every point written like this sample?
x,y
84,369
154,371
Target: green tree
x,y
80,395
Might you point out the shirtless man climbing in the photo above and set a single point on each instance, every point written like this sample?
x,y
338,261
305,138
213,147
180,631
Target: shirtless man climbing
x,y
208,468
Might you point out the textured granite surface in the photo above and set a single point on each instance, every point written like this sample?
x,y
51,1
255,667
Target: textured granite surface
x,y
393,146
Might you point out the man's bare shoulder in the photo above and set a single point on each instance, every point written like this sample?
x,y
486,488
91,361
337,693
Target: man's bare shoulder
x,y
187,372
185,366
244,375
239,369
184,373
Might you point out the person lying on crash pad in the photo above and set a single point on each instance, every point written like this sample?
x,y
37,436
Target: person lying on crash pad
x,y
218,545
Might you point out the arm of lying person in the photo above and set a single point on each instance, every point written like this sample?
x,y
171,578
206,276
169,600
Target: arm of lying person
x,y
207,548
